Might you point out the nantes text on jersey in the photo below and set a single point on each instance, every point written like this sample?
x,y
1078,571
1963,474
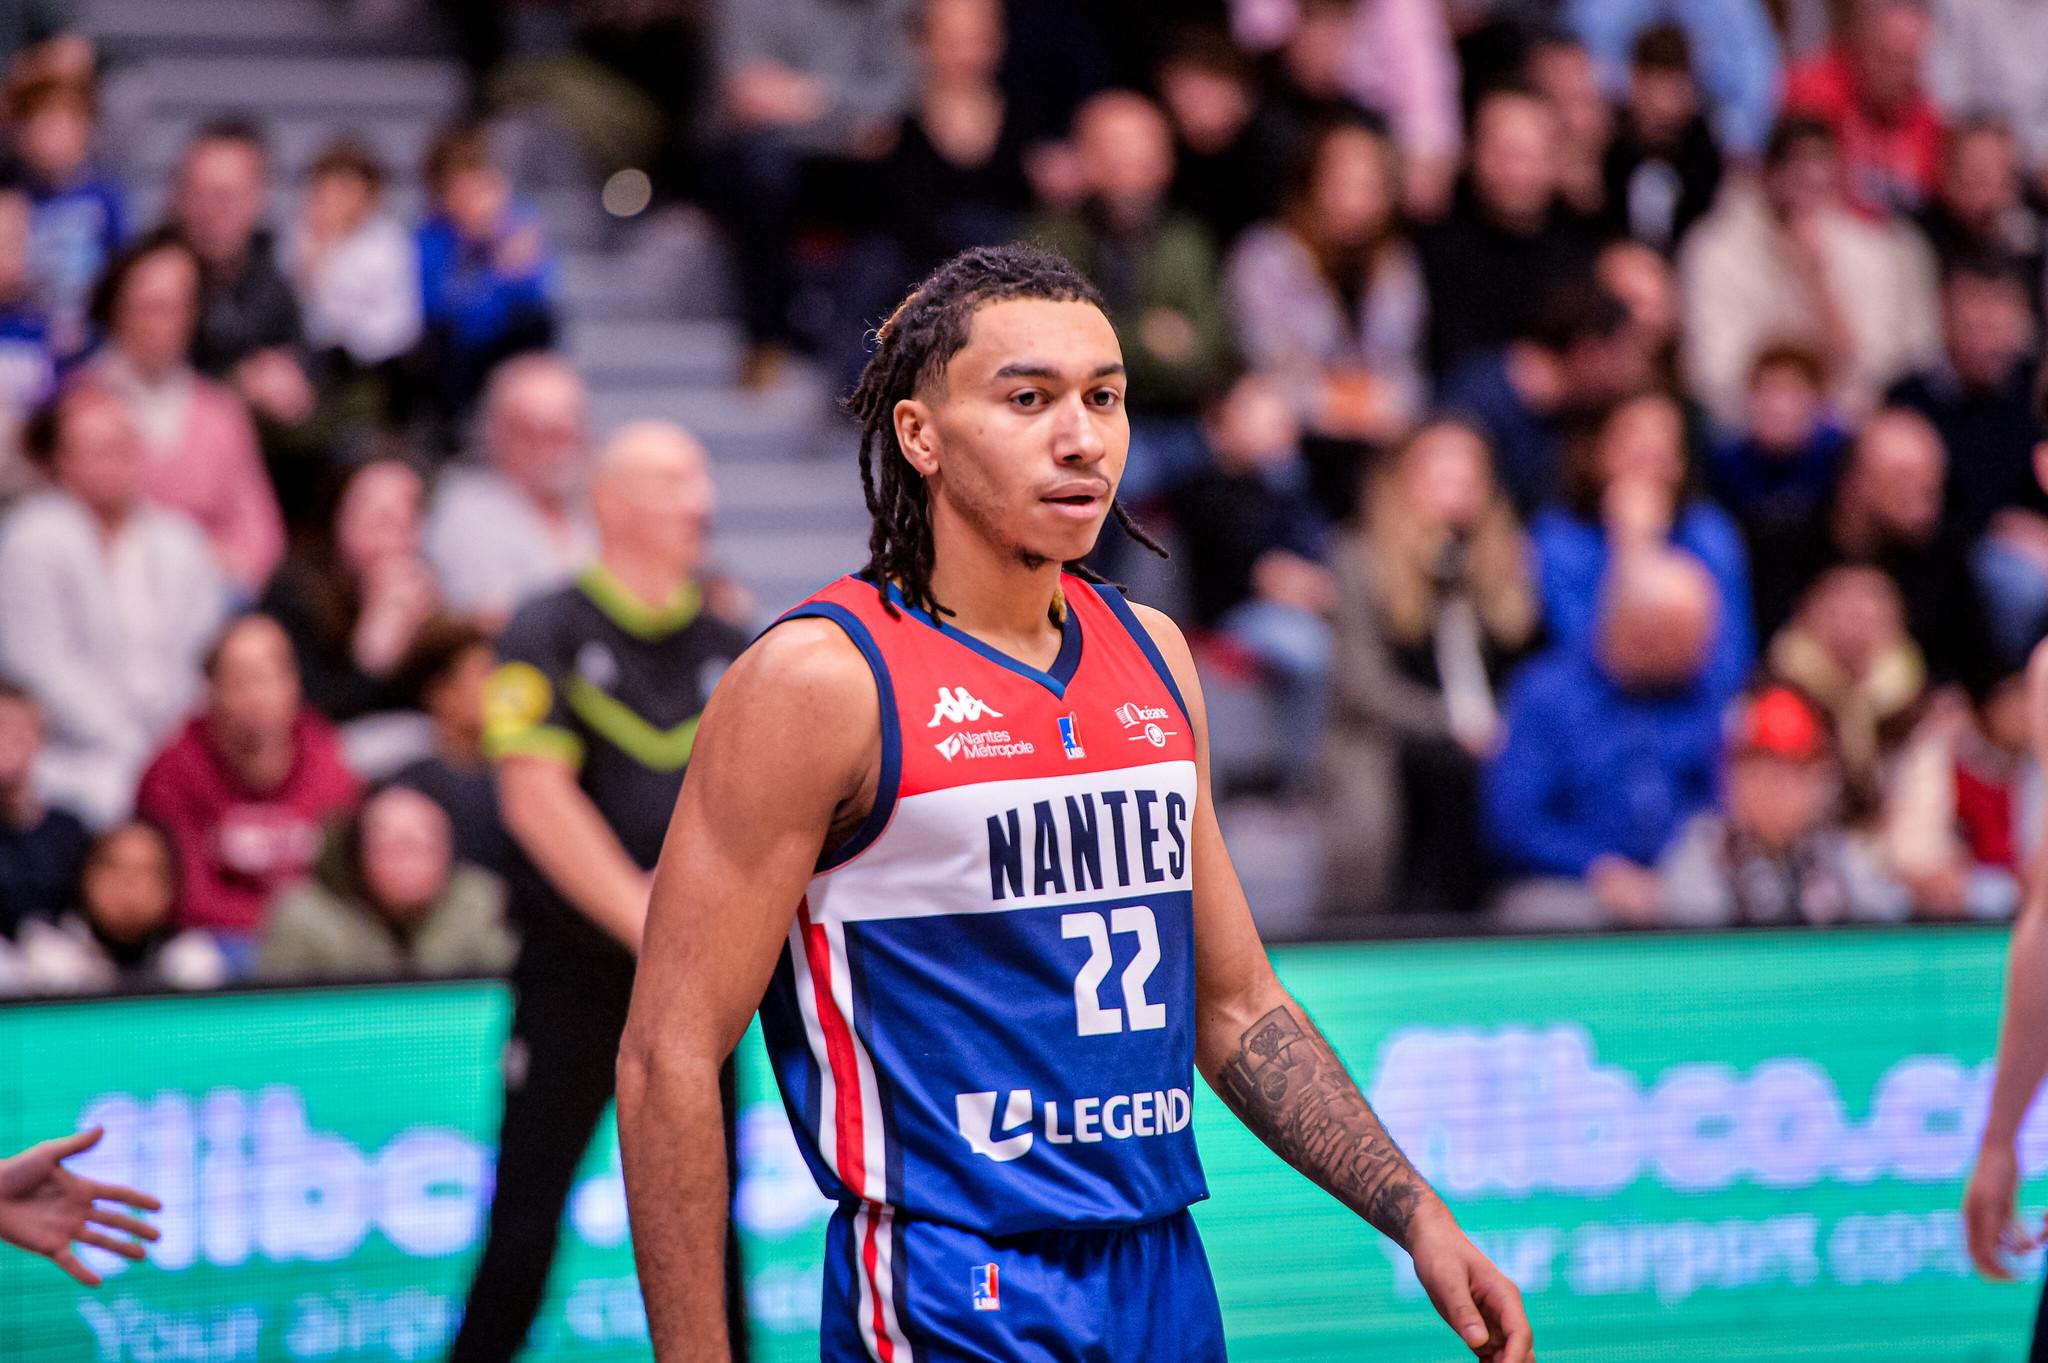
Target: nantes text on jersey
x,y
984,1014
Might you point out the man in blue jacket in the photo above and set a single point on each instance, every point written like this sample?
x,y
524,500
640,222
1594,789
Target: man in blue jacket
x,y
1608,755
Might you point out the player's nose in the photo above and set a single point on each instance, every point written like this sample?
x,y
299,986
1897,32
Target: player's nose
x,y
1077,436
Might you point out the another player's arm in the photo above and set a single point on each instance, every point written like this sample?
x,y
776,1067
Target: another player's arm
x,y
1262,1054
784,762
1989,1211
562,833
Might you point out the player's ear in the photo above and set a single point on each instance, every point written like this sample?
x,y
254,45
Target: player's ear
x,y
2041,464
915,434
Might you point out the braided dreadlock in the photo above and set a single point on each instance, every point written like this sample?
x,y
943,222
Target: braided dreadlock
x,y
912,348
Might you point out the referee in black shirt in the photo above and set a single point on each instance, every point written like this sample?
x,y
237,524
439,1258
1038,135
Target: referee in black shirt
x,y
590,718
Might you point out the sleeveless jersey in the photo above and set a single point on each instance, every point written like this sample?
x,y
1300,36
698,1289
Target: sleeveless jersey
x,y
984,1014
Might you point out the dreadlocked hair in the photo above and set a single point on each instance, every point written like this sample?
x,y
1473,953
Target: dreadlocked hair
x,y
912,348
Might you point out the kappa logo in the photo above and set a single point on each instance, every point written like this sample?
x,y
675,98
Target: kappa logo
x,y
1143,718
958,707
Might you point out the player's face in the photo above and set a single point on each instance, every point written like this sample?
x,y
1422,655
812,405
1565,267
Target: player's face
x,y
1026,438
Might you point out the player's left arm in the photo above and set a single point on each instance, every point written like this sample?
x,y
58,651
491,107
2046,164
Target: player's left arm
x,y
1265,1058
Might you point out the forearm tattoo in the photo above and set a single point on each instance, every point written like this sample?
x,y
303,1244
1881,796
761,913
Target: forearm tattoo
x,y
1287,1085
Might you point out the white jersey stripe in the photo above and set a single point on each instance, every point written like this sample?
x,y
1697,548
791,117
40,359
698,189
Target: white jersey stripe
x,y
885,1278
875,1148
814,1030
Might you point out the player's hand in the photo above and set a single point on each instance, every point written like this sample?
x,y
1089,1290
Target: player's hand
x,y
1475,1299
44,1207
1990,1225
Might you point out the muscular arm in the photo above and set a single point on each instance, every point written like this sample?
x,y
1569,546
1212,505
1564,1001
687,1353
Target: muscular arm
x,y
784,759
570,843
1266,1060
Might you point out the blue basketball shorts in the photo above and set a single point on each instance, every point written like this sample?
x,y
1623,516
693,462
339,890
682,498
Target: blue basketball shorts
x,y
908,1291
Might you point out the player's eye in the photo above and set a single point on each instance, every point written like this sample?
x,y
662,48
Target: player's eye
x,y
1029,398
1106,398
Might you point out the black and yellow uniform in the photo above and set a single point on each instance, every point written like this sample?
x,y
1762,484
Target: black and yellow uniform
x,y
597,679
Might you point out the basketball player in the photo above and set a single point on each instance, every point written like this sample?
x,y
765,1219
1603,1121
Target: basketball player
x,y
952,817
1990,1204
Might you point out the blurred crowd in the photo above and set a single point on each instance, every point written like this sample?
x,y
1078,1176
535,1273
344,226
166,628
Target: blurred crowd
x,y
1601,434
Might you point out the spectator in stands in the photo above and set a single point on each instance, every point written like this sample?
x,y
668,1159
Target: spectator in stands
x,y
1886,511
1868,86
1573,352
248,321
1156,266
1230,150
1847,649
388,898
244,789
1393,57
1561,70
1734,53
200,452
357,594
1995,789
1506,228
28,368
515,524
77,219
1434,603
1663,167
1980,207
1329,299
1630,490
956,176
122,931
355,267
1776,854
45,37
1984,58
1608,755
110,602
1981,400
447,669
41,845
1255,545
487,276
1786,262
809,90
1776,475
1647,286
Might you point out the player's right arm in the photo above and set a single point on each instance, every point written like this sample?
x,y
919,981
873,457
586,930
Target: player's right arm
x,y
785,762
1989,1204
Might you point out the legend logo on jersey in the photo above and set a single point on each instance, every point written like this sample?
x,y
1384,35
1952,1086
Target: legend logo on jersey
x,y
957,707
988,1295
1070,737
1144,719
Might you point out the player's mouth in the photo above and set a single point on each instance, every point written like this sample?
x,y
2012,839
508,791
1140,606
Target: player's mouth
x,y
1080,500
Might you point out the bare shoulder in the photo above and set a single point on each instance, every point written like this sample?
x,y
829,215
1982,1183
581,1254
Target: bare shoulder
x,y
809,660
801,688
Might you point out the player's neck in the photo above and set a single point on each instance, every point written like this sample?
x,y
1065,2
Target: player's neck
x,y
996,599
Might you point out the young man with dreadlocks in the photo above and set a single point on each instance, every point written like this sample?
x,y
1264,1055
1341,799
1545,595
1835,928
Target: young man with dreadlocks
x,y
952,817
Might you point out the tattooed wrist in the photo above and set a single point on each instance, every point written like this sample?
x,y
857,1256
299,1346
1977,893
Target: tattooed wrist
x,y
1287,1085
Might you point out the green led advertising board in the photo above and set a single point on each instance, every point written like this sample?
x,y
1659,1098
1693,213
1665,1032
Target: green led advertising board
x,y
1738,1147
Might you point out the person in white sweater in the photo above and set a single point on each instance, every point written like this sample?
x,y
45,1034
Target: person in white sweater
x,y
1784,261
353,265
516,523
110,602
